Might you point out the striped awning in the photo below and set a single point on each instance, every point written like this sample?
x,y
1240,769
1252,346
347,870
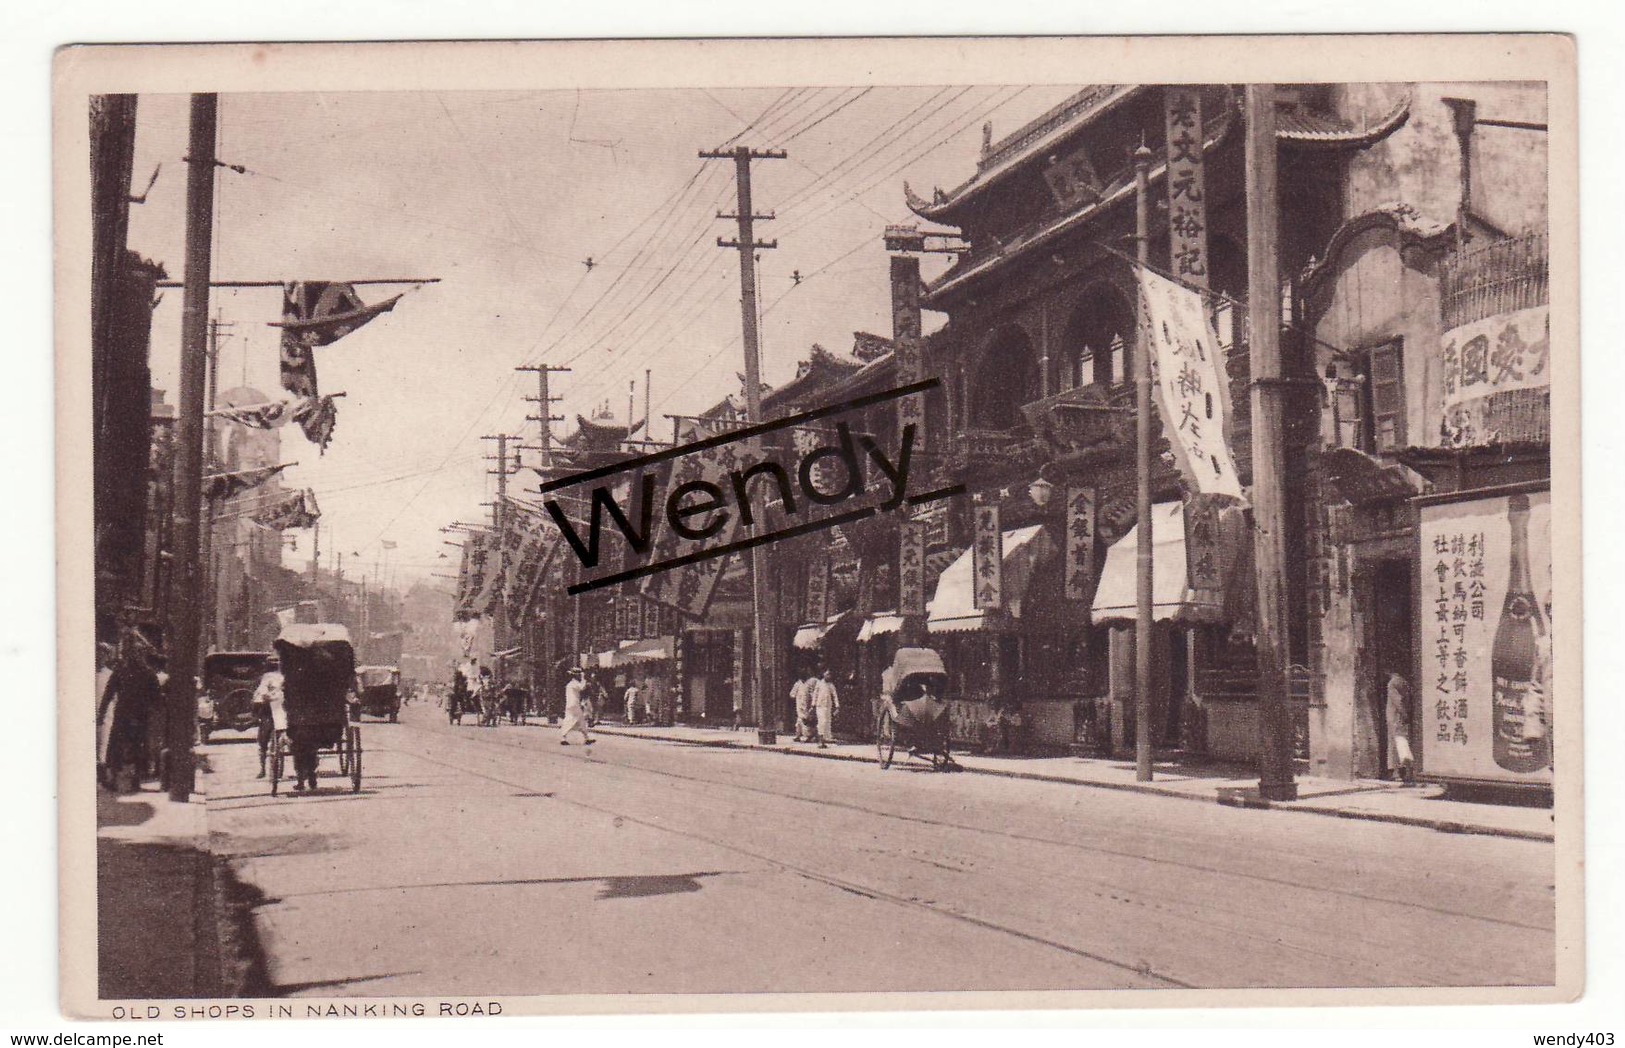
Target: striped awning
x,y
954,610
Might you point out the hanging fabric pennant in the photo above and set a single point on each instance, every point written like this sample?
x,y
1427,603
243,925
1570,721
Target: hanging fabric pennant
x,y
318,313
295,510
225,485
316,417
258,416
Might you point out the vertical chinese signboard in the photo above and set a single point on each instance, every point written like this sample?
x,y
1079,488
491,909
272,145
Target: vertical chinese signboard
x,y
818,590
987,560
1187,208
689,588
1080,542
911,568
907,348
1484,700
1189,379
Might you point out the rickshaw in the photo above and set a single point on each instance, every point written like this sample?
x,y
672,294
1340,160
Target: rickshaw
x,y
318,672
380,691
914,708
227,700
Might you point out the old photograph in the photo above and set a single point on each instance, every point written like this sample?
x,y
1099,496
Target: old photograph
x,y
573,540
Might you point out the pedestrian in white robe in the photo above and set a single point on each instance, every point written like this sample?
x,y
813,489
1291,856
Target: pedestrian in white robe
x,y
826,701
575,710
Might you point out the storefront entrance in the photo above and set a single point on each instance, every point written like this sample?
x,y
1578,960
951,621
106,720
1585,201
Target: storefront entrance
x,y
1390,625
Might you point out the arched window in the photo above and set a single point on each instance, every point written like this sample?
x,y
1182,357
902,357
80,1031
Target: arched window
x,y
1099,340
1005,379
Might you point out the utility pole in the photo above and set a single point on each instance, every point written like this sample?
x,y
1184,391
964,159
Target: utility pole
x,y
648,420
747,245
499,519
185,618
1275,781
1143,624
544,401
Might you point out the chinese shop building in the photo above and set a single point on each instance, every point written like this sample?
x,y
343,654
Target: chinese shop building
x,y
1432,557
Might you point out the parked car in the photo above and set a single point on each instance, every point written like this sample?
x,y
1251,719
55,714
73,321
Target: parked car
x,y
226,701
380,690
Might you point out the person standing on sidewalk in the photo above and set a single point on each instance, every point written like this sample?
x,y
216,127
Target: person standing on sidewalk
x,y
575,710
631,698
826,701
1399,729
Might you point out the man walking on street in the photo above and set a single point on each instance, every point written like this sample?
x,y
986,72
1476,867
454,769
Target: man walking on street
x,y
801,693
575,709
826,701
267,700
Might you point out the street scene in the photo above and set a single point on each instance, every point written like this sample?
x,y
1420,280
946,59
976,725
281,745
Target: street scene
x,y
824,540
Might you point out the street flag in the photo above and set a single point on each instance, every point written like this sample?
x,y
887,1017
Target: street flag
x,y
316,417
1190,381
318,313
225,485
297,509
258,416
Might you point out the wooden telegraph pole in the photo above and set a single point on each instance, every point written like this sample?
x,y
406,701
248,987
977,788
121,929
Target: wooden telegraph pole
x,y
1275,781
185,610
1143,624
747,246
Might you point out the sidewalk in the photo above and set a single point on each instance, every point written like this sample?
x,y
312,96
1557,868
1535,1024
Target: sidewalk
x,y
1422,805
155,889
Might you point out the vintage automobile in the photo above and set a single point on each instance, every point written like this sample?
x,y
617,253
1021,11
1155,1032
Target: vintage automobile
x,y
226,701
380,691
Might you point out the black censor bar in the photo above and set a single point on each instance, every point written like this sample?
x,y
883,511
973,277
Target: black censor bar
x,y
829,475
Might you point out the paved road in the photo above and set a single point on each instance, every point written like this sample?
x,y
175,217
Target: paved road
x,y
493,861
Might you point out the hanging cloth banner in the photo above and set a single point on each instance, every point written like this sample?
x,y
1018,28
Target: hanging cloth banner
x,y
689,588
910,568
987,560
318,313
1189,379
259,416
818,590
316,417
225,485
1187,205
1080,543
295,510
471,581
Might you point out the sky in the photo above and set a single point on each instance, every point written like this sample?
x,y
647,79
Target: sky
x,y
503,196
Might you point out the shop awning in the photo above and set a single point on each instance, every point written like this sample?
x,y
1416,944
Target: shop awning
x,y
1171,595
652,649
606,660
879,624
510,653
810,636
953,609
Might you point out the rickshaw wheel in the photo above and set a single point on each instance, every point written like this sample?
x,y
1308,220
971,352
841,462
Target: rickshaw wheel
x,y
355,760
343,749
886,738
277,745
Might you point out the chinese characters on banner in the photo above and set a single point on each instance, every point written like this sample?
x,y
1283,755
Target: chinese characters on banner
x,y
1498,354
907,348
987,560
1190,382
689,588
1080,542
651,619
911,568
1072,179
1483,703
818,590
1187,209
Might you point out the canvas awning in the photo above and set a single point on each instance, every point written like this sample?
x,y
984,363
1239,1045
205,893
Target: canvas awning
x,y
953,609
652,649
810,636
879,624
1171,595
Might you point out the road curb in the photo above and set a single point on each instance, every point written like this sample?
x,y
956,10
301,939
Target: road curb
x,y
1302,807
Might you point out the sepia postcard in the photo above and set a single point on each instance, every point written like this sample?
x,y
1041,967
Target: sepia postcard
x,y
818,525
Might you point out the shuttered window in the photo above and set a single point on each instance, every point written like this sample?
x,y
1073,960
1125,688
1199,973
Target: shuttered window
x,y
1385,379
